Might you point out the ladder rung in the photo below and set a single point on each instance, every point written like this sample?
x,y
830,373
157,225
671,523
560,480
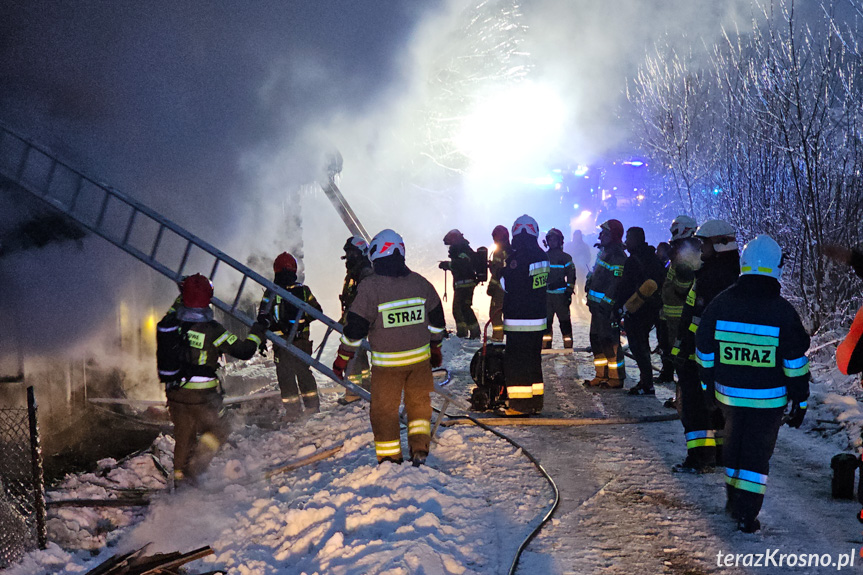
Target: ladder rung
x,y
157,241
239,292
74,201
50,177
129,226
102,210
185,259
23,165
215,267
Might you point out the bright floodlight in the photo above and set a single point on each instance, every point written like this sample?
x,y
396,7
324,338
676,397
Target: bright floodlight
x,y
512,125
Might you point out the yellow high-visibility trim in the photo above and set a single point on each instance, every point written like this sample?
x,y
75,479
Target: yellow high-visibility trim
x,y
210,383
538,388
520,391
419,427
254,338
350,342
398,358
401,303
388,448
210,441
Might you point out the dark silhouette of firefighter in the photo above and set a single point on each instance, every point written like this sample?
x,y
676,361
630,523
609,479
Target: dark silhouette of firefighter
x,y
751,347
190,344
296,382
601,287
702,425
524,280
500,235
638,296
401,314
461,264
683,259
581,258
561,283
357,268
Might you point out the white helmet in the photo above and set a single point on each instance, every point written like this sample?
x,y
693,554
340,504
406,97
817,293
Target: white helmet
x,y
682,226
527,224
762,256
357,242
386,243
720,229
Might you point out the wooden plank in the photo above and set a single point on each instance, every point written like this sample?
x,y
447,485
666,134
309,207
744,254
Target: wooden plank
x,y
303,462
122,502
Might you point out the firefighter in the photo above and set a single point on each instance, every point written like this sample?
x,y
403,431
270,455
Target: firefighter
x,y
460,263
751,348
638,294
601,287
194,395
357,268
702,425
296,382
561,283
500,235
401,313
675,288
524,280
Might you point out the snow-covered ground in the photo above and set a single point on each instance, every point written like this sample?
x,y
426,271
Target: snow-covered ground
x,y
622,509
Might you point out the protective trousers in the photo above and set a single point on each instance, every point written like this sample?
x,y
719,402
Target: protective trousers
x,y
750,437
194,413
388,384
358,373
522,368
696,418
495,314
605,345
296,382
638,334
465,320
558,304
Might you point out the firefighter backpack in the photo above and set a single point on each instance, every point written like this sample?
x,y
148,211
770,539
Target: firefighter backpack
x,y
479,258
170,351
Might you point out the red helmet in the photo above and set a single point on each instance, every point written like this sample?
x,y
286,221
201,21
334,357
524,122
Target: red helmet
x,y
285,262
197,291
500,234
616,229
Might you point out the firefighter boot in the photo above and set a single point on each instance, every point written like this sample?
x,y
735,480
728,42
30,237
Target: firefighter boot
x,y
546,340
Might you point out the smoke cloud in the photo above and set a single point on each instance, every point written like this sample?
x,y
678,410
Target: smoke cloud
x,y
219,116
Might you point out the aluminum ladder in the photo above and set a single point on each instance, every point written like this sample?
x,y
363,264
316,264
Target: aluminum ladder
x,y
143,233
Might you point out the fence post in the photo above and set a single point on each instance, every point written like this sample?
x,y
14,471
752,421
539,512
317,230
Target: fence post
x,y
38,476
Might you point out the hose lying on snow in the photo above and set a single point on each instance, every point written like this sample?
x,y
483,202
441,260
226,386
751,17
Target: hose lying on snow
x,y
537,464
563,421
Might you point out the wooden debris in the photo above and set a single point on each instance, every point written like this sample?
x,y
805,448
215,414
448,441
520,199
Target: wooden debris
x,y
135,563
303,462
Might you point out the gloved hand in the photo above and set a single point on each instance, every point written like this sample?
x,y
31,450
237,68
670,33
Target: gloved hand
x,y
264,320
796,415
343,356
436,359
444,266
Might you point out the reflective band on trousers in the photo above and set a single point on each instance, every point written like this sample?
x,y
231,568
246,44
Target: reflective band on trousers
x,y
703,438
388,448
419,427
520,391
398,358
524,324
673,310
757,398
199,382
746,480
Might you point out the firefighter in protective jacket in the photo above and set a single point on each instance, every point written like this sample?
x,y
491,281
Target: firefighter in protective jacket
x,y
194,397
601,288
401,313
684,259
701,425
751,348
524,280
500,235
561,283
357,268
461,258
296,382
